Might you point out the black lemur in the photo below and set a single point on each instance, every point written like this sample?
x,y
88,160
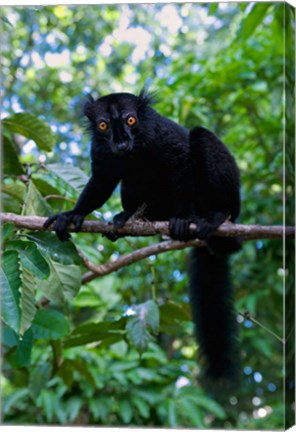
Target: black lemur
x,y
181,176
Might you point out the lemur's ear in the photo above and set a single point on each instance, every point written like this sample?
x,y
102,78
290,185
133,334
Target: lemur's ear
x,y
146,98
89,108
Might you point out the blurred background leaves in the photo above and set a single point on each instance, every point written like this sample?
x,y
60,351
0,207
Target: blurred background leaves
x,y
80,355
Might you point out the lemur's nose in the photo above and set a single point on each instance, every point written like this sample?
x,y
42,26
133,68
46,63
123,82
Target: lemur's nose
x,y
122,146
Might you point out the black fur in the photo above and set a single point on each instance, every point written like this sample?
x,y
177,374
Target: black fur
x,y
181,176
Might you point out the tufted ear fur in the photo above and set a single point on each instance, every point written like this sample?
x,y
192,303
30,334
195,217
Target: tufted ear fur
x,y
89,108
146,98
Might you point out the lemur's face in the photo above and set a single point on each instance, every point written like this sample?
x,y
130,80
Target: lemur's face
x,y
116,119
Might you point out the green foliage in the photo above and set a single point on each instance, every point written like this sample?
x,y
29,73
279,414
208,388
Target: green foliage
x,y
120,350
72,177
143,322
11,163
34,203
30,127
50,324
10,283
252,21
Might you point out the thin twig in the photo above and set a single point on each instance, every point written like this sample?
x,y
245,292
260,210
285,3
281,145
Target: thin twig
x,y
132,257
153,278
248,316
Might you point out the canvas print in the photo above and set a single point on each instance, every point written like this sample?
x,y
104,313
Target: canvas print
x,y
147,215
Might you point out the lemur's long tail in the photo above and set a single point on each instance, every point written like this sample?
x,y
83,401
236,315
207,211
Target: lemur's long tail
x,y
216,327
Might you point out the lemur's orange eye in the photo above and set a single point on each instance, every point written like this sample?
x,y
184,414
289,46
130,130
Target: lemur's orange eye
x,y
103,126
131,120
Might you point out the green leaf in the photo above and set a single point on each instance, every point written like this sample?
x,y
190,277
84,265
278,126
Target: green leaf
x,y
73,176
66,372
138,326
100,408
148,374
151,315
211,405
171,312
172,316
125,411
263,347
121,366
74,405
50,324
44,186
10,289
138,334
101,339
9,204
11,163
70,277
49,245
188,409
213,8
14,399
63,283
216,409
172,417
102,327
35,204
31,127
9,337
253,20
7,231
142,406
22,263
31,258
15,189
39,376
6,21
79,366
27,300
205,402
47,401
151,396
104,333
20,355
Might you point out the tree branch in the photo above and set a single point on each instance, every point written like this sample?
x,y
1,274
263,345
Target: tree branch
x,y
130,258
140,228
